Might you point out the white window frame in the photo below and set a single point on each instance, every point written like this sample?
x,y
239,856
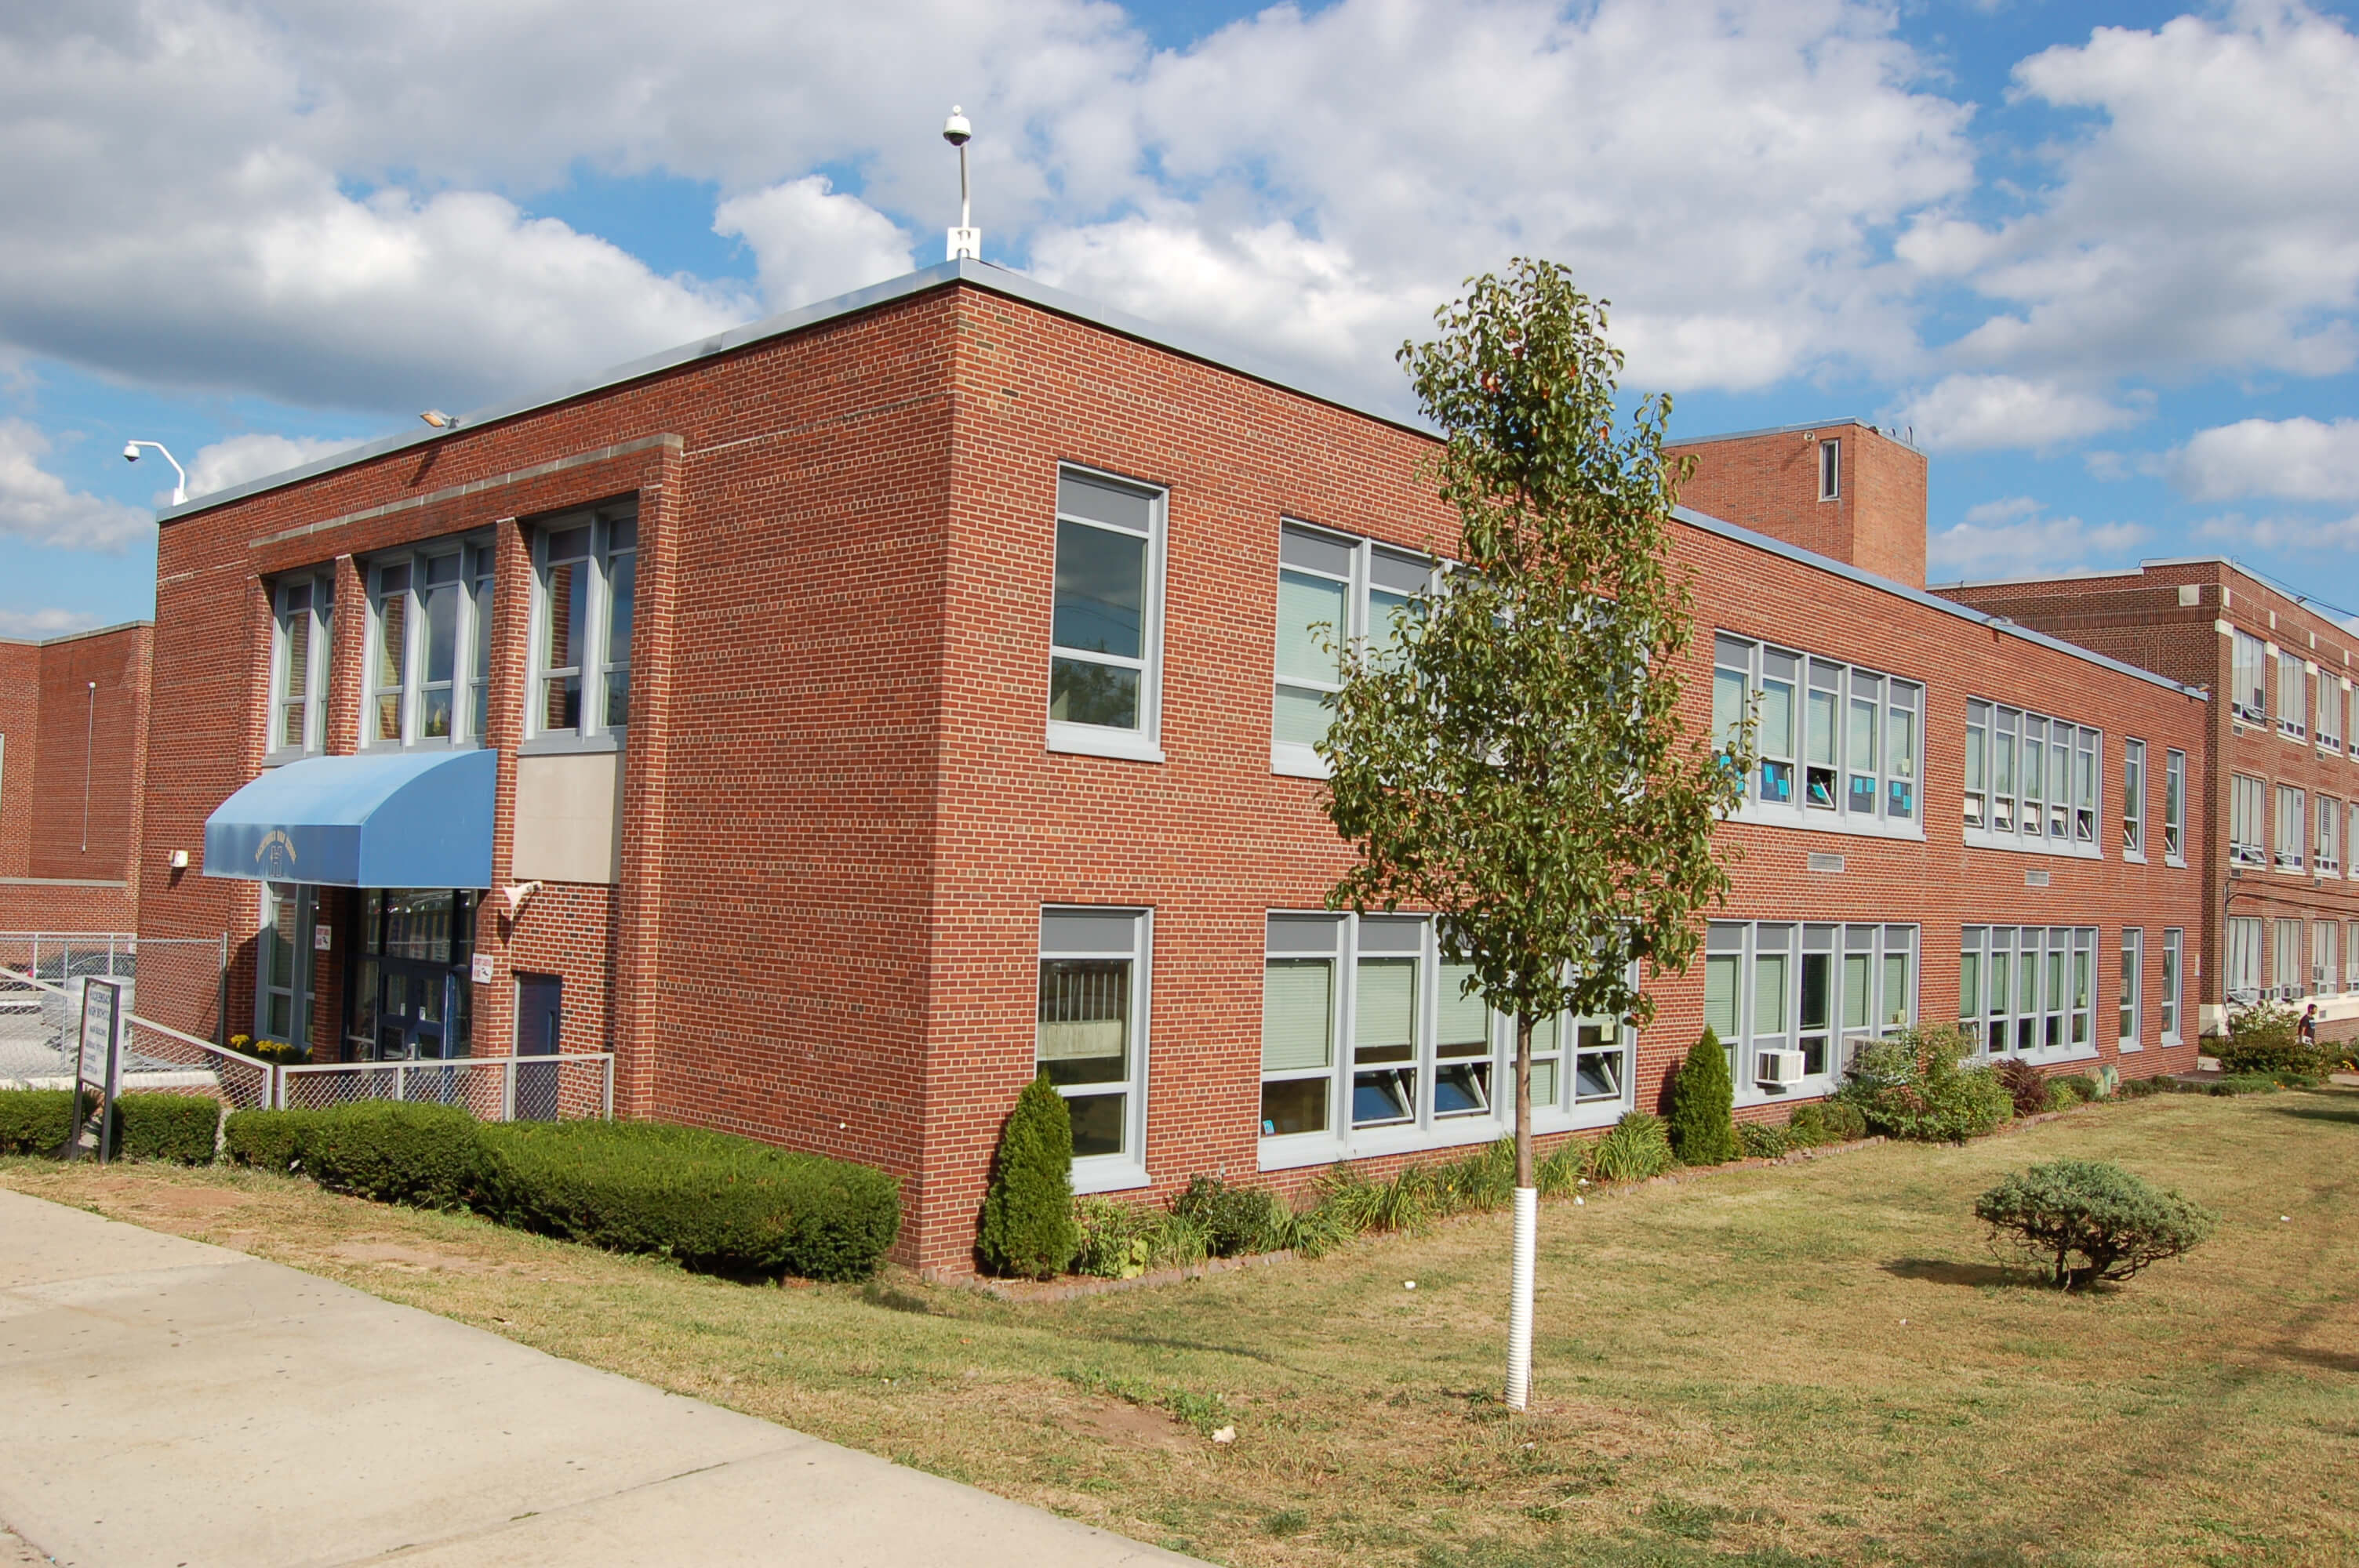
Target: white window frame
x,y
2290,843
1830,469
467,630
1310,552
1083,932
1754,945
2129,996
300,989
318,588
2248,806
2249,685
2351,955
1145,742
2332,691
2000,742
2169,999
2048,1019
2133,800
607,522
2240,958
1296,936
2328,860
2287,934
2174,808
1744,670
2324,968
2293,696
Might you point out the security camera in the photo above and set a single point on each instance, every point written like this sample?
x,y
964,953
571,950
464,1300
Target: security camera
x,y
130,452
955,130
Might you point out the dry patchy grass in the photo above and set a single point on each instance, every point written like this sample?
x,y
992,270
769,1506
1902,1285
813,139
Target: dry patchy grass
x,y
1803,1364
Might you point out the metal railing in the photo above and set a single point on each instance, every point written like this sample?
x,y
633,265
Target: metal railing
x,y
490,1088
41,1022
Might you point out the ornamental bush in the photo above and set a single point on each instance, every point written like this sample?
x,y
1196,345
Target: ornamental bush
x,y
2085,1220
2266,1039
1702,1127
1910,1086
1764,1141
175,1126
393,1152
2025,1083
265,1140
34,1121
1028,1228
712,1201
1637,1146
1826,1121
1236,1221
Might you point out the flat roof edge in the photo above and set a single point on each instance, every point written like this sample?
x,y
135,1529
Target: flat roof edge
x,y
78,637
980,274
1918,595
1804,426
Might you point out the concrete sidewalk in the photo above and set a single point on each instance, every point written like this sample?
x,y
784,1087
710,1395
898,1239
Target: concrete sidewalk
x,y
167,1404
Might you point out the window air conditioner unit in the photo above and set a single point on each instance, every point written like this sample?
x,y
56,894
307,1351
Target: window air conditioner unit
x,y
1780,1068
1852,1045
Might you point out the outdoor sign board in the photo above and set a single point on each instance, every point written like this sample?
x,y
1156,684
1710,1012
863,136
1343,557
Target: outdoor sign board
x,y
97,1066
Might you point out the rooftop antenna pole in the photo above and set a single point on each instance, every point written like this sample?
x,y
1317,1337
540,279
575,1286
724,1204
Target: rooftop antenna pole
x,y
966,240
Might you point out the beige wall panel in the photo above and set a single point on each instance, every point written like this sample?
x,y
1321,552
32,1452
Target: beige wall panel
x,y
569,817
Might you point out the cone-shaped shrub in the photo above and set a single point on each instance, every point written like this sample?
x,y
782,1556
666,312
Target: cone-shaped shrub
x,y
1027,1217
1704,1129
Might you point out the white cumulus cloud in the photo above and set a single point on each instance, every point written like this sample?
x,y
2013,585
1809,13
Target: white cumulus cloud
x,y
2300,460
2283,532
2014,537
811,242
241,458
36,506
36,624
1970,413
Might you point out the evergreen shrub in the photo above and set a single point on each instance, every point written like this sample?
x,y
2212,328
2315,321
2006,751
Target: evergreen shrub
x,y
710,1200
265,1140
1823,1122
2085,1220
175,1126
1702,1127
1761,1141
1910,1086
395,1151
35,1122
1028,1228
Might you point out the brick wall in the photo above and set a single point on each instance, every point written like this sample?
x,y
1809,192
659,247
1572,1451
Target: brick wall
x,y
1770,482
74,710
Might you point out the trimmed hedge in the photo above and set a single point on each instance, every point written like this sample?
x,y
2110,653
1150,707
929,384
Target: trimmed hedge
x,y
34,1121
265,1140
164,1126
428,1156
713,1201
148,1126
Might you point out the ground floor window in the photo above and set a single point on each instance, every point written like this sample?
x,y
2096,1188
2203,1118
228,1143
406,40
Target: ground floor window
x,y
283,965
2286,971
1791,1001
2322,967
2351,955
2026,990
2174,943
2244,958
2133,974
1090,1025
1367,1031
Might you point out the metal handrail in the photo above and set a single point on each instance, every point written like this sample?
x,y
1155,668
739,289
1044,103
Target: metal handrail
x,y
240,1062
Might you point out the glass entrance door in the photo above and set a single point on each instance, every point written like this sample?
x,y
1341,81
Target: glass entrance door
x,y
410,987
414,1008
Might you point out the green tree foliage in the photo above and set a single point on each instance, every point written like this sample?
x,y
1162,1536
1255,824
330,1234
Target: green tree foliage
x,y
2085,1220
1704,1102
1029,1229
1910,1085
1515,759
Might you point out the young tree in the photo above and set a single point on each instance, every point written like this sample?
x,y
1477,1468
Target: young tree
x,y
1514,760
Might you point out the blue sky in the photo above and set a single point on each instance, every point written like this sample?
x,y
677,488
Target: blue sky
x,y
2107,276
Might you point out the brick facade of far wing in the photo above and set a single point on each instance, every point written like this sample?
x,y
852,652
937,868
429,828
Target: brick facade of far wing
x,y
2180,619
841,818
73,720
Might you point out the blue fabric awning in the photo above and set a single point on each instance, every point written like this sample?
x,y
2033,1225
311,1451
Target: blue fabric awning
x,y
413,821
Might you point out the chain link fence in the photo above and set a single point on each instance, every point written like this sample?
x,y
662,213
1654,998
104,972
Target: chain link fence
x,y
43,974
490,1088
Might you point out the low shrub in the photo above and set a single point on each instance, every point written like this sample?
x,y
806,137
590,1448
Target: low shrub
x,y
1910,1086
1703,1129
393,1152
2259,1082
1477,1184
2139,1089
2060,1097
1759,1140
1636,1147
2081,1087
714,1202
2086,1220
1236,1221
265,1140
1825,1121
2025,1084
2266,1039
1117,1238
35,1122
179,1127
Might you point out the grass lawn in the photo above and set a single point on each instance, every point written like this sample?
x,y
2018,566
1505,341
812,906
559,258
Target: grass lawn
x,y
1802,1364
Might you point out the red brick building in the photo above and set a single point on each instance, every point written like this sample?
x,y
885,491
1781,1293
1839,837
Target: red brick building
x,y
901,696
2281,790
74,725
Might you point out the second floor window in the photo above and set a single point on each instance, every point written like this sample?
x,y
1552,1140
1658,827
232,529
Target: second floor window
x,y
2249,686
2293,696
2290,840
2330,836
2247,802
2030,780
585,590
2174,806
424,629
1104,632
1835,742
302,659
1334,592
2134,798
2329,711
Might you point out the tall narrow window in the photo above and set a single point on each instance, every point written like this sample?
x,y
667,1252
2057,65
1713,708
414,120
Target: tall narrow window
x,y
390,659
1829,470
2330,837
2084,789
2286,971
2248,806
441,596
2244,959
2134,798
2248,696
1299,1009
2132,979
1775,738
1090,1020
2323,970
479,654
283,964
1970,989
2174,806
303,657
1462,1046
585,594
2330,694
1102,631
1977,763
2291,843
1385,1023
2293,696
1823,734
2351,955
2174,940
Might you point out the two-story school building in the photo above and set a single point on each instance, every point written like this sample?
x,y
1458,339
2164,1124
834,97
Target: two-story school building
x,y
846,718
2281,785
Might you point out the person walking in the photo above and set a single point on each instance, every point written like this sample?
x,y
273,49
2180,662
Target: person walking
x,y
2307,1030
